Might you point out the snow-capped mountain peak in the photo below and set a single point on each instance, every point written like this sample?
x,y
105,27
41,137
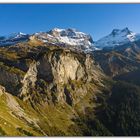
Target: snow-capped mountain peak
x,y
15,35
68,37
57,30
124,31
13,38
117,37
71,33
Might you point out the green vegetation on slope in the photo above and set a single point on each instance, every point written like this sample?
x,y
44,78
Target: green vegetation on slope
x,y
122,113
117,115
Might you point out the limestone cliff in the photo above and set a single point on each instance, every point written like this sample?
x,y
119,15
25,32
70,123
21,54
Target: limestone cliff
x,y
65,75
45,86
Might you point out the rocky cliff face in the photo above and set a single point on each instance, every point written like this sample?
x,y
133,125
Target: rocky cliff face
x,y
62,72
10,79
61,69
48,79
29,80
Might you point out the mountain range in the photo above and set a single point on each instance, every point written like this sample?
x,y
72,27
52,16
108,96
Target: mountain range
x,y
63,83
72,37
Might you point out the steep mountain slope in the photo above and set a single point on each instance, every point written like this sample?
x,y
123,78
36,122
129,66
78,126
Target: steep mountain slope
x,y
15,120
121,113
119,60
46,86
117,114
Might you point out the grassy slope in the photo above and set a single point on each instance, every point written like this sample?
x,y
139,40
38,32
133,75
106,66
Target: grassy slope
x,y
10,124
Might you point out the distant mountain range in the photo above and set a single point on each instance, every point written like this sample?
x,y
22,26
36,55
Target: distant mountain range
x,y
64,37
13,39
76,39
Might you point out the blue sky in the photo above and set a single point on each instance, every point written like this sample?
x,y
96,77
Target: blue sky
x,y
95,19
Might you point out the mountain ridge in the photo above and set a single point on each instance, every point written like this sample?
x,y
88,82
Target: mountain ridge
x,y
75,39
64,37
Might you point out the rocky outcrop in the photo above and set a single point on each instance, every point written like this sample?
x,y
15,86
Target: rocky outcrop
x,y
68,74
2,90
28,82
62,67
10,78
57,76
53,74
